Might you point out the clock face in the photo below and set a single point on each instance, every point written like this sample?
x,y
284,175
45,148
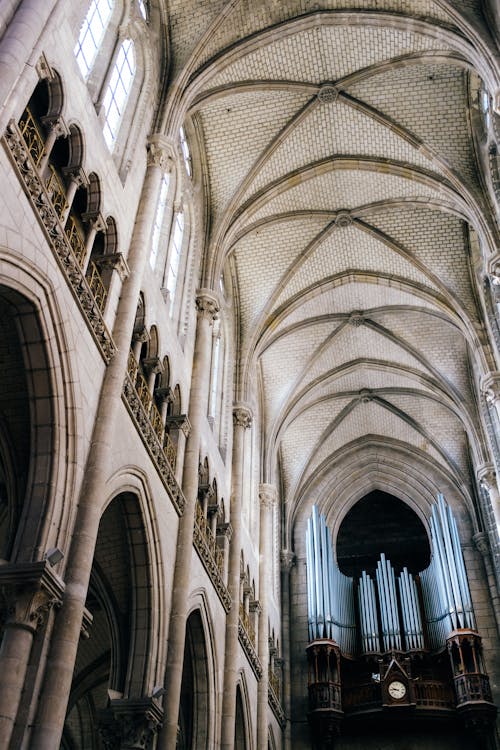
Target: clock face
x,y
397,690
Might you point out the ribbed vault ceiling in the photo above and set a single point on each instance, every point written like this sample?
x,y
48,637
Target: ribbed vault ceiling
x,y
341,178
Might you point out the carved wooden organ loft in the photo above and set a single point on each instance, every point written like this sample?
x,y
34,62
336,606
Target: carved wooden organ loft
x,y
393,645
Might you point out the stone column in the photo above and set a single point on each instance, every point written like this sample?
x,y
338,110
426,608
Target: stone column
x,y
242,420
51,713
207,305
17,46
130,724
287,562
481,541
31,590
487,477
267,497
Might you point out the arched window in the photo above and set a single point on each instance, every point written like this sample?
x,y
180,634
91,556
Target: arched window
x,y
92,33
143,8
186,153
213,406
158,222
118,90
175,257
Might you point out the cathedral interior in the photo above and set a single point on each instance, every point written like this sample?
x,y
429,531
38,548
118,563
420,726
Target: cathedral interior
x,y
250,289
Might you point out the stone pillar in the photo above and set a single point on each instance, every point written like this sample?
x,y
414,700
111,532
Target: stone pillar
x,y
242,420
487,477
481,541
17,48
51,713
31,589
208,308
287,562
267,497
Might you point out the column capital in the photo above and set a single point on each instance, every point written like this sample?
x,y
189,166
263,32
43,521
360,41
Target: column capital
x,y
490,387
486,476
31,590
207,304
287,560
242,416
179,422
161,152
116,262
130,723
481,543
152,365
268,495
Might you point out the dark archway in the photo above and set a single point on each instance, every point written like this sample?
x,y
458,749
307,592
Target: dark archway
x,y
240,741
111,662
195,695
380,522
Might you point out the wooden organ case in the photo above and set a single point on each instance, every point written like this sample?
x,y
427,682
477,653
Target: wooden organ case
x,y
394,648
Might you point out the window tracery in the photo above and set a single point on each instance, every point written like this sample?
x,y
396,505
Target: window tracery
x,y
92,34
118,91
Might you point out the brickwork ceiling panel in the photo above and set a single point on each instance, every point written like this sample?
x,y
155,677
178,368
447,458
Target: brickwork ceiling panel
x,y
336,128
248,123
372,418
350,248
326,53
250,16
373,376
438,89
345,189
437,240
273,248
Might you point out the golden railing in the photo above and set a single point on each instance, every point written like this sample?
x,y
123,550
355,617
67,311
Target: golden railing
x,y
275,683
76,240
245,621
57,192
152,411
96,285
209,537
32,135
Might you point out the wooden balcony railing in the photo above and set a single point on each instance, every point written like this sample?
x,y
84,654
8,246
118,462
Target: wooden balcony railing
x,y
472,686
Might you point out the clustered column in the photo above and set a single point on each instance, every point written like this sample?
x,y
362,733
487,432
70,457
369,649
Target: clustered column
x,y
242,420
207,306
64,642
287,562
267,497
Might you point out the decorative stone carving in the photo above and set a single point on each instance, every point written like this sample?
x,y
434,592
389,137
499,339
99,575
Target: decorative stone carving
x,y
130,724
152,365
88,619
207,304
30,590
116,262
267,495
481,541
249,650
343,218
486,475
225,530
161,152
493,269
490,387
328,93
179,422
43,68
287,560
140,334
356,319
365,395
242,416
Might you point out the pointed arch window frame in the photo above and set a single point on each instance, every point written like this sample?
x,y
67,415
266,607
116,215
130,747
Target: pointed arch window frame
x,y
118,90
92,34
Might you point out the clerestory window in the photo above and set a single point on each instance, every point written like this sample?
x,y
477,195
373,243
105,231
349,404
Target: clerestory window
x,y
118,90
158,222
186,153
175,258
92,34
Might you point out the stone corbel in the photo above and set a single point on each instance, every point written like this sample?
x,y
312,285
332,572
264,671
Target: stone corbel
x,y
224,531
87,621
490,388
164,395
43,69
287,560
152,365
31,590
130,723
76,174
493,269
255,607
179,422
142,335
116,262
